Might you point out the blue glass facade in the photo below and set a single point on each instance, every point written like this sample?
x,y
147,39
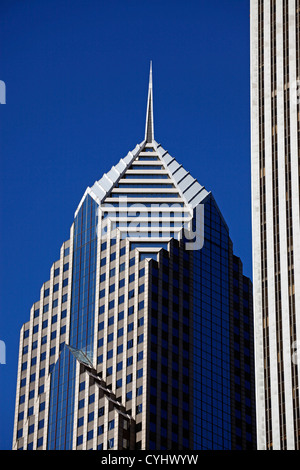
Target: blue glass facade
x,y
202,402
170,350
211,335
60,431
84,277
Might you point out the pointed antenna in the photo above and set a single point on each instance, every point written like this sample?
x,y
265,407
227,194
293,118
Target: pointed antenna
x,y
149,131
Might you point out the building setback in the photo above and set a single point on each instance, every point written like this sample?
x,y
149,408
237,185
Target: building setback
x,y
275,111
143,336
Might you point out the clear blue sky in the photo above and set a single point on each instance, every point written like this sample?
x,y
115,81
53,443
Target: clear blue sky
x,y
76,75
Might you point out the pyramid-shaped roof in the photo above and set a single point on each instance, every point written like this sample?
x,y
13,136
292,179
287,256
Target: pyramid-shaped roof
x,y
148,176
192,193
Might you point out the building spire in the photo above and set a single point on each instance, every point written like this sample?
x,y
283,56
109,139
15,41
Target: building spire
x,y
149,131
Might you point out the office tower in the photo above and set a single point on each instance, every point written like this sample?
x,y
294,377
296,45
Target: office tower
x,y
142,337
275,85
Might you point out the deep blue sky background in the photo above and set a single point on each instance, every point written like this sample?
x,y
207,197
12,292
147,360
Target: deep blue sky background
x,y
76,74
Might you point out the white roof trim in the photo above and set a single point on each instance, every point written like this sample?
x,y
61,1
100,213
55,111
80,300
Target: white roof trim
x,y
102,187
188,186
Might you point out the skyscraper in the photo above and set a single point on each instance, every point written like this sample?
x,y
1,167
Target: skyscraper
x,y
142,337
275,85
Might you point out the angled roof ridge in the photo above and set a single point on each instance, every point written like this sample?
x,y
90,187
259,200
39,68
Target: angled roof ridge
x,y
191,191
101,188
130,157
184,176
180,166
